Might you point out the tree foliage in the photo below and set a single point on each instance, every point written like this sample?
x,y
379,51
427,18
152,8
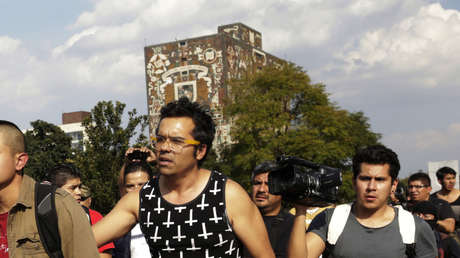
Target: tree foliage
x,y
280,111
47,146
107,140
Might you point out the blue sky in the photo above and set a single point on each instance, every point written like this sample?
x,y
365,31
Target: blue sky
x,y
394,60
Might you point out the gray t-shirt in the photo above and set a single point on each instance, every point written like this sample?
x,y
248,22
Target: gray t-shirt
x,y
358,241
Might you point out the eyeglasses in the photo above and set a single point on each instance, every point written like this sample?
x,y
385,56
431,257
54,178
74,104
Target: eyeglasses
x,y
176,144
417,186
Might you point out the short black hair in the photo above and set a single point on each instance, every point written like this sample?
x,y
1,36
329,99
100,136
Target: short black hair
x,y
377,155
17,141
442,172
60,174
264,167
134,166
205,128
420,176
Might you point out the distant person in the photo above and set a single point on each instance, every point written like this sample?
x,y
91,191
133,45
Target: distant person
x,y
369,227
277,221
447,178
67,177
419,185
19,235
188,211
135,173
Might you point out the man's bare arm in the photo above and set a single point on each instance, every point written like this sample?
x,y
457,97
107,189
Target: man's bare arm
x,y
297,247
119,221
303,244
246,221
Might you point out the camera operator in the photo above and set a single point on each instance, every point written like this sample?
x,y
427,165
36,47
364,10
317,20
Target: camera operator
x,y
277,221
369,227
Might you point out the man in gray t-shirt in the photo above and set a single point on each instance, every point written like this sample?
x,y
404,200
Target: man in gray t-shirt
x,y
372,226
357,240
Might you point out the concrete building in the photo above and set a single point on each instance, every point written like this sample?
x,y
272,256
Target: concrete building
x,y
72,126
199,68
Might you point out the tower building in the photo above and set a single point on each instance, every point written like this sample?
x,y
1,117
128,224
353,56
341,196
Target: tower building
x,y
199,68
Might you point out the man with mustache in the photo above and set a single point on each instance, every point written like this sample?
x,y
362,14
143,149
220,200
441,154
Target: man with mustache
x,y
277,221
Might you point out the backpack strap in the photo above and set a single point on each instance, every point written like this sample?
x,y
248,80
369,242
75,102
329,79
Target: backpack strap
x,y
337,223
406,226
407,230
87,214
47,220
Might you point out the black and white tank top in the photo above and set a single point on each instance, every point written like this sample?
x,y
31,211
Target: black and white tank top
x,y
199,228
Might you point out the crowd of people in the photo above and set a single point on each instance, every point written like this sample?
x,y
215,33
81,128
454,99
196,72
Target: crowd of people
x,y
186,210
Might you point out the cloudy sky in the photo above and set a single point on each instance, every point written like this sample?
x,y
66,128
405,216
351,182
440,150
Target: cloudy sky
x,y
395,60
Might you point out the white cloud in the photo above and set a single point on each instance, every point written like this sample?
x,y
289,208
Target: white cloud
x,y
422,46
72,40
8,45
439,142
380,56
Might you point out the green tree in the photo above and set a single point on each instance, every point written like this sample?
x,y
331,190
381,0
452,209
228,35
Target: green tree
x,y
47,145
107,140
279,111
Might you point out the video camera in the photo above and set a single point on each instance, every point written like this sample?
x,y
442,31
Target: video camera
x,y
302,181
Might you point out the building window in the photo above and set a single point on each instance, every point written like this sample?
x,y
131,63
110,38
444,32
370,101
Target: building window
x,y
185,89
183,43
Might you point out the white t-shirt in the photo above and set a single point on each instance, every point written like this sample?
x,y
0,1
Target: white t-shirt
x,y
139,247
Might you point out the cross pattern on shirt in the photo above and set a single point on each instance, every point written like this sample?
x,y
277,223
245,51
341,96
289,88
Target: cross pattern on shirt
x,y
179,236
207,254
155,237
229,229
215,218
204,233
231,249
193,247
147,185
203,204
149,222
151,195
168,248
180,208
191,221
221,242
158,208
168,222
215,190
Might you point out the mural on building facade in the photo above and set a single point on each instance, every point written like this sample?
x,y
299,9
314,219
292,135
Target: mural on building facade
x,y
198,68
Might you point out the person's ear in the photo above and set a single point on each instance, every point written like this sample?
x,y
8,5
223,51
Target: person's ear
x,y
394,185
201,151
21,160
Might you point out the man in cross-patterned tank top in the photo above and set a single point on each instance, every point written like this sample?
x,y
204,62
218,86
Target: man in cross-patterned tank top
x,y
188,211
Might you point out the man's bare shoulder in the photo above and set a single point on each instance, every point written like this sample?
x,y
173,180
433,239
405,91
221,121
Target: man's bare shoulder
x,y
237,199
234,190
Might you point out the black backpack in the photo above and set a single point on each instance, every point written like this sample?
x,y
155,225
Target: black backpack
x,y
47,220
